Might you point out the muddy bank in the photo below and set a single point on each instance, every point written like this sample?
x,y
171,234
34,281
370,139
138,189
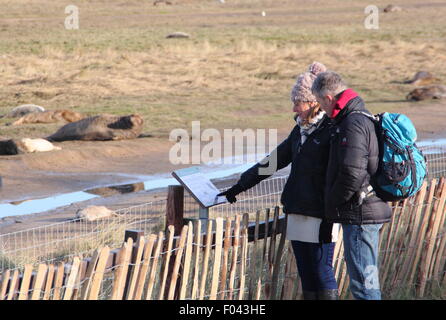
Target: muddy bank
x,y
85,165
66,213
429,119
81,165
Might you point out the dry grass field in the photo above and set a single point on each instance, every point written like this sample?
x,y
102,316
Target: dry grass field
x,y
236,70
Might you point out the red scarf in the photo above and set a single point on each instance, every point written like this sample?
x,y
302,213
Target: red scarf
x,y
345,97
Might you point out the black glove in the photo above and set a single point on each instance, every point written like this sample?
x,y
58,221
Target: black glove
x,y
232,192
325,230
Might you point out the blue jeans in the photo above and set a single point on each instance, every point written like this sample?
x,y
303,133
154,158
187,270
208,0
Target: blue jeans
x,y
361,256
315,265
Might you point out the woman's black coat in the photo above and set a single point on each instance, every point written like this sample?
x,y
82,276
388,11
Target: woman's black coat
x,y
304,190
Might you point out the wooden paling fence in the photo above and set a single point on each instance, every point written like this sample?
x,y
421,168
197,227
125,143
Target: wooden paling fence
x,y
232,258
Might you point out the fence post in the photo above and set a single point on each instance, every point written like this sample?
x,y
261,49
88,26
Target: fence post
x,y
175,208
174,217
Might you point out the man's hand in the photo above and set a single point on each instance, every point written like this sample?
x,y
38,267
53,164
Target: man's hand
x,y
325,230
231,193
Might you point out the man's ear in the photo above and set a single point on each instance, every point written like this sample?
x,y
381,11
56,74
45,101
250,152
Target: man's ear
x,y
332,99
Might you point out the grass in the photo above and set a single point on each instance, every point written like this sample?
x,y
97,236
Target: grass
x,y
235,71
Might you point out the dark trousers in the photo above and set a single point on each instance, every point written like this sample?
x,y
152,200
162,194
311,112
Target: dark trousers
x,y
314,264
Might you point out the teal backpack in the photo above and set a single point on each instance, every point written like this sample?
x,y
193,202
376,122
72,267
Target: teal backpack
x,y
402,166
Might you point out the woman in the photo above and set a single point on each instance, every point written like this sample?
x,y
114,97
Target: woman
x,y
306,148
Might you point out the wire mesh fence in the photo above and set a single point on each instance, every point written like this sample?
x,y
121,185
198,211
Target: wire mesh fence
x,y
240,261
264,195
436,159
153,269
64,240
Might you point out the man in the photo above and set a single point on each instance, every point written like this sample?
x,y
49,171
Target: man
x,y
353,159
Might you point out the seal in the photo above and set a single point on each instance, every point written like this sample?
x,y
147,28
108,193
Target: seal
x,y
101,127
49,117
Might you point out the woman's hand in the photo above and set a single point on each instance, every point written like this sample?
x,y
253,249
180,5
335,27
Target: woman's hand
x,y
231,193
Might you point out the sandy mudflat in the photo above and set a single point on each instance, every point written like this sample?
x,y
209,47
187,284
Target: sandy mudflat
x,y
84,165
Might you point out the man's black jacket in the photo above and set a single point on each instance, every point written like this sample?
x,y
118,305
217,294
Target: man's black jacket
x,y
304,190
353,159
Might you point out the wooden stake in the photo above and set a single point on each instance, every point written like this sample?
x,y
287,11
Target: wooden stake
x,y
88,275
72,279
337,251
171,232
401,245
98,274
58,282
148,248
49,282
178,258
402,260
421,212
153,270
278,257
26,280
244,255
135,270
265,238
272,247
4,286
422,231
206,259
434,268
432,231
13,285
392,244
254,257
123,261
389,237
441,255
234,255
343,269
217,258
259,290
80,275
195,283
187,260
39,280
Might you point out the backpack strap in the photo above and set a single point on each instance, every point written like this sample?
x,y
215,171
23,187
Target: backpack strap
x,y
413,169
371,117
368,190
